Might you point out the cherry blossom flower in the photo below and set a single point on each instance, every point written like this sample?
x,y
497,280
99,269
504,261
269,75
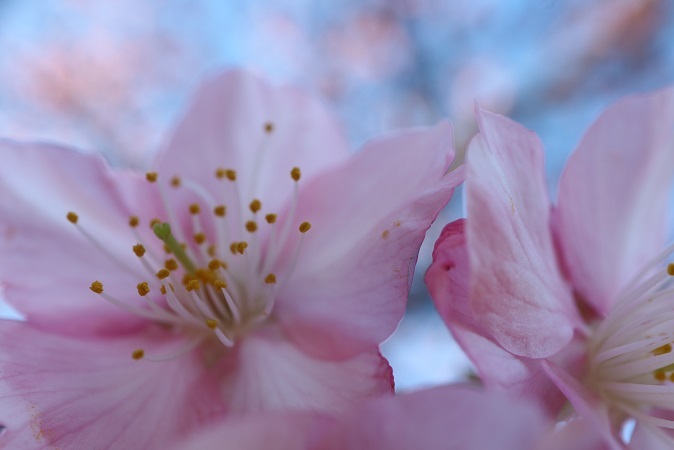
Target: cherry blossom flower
x,y
255,267
453,417
574,298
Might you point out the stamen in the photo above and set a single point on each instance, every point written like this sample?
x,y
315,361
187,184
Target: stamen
x,y
220,210
133,221
138,354
255,205
139,250
270,218
72,217
143,288
191,345
199,238
224,339
151,177
97,287
251,226
212,324
229,174
175,181
192,285
163,273
220,173
171,264
194,208
268,127
270,279
295,173
214,264
663,349
304,227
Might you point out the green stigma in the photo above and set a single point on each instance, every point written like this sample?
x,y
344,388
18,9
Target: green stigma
x,y
163,232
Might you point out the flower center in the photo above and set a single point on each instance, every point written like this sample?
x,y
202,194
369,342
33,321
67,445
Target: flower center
x,y
631,363
220,272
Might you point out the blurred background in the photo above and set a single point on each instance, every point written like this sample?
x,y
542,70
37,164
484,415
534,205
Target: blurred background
x,y
111,76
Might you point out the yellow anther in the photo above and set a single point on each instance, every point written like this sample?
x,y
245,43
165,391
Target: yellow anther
x,y
660,375
138,354
143,288
662,350
139,250
270,279
296,174
232,248
220,284
154,222
241,247
151,177
220,210
192,285
251,226
163,273
270,218
304,227
212,324
214,264
268,127
171,264
220,173
162,289
670,269
255,205
211,250
230,174
194,208
175,181
167,249
133,221
72,217
199,238
97,287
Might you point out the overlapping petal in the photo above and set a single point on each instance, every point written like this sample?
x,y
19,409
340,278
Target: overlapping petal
x,y
517,291
448,280
69,392
269,373
613,196
460,417
368,219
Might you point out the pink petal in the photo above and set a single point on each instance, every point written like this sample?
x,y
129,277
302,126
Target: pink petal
x,y
46,265
448,281
517,291
63,392
452,417
278,431
224,127
270,374
368,219
614,194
